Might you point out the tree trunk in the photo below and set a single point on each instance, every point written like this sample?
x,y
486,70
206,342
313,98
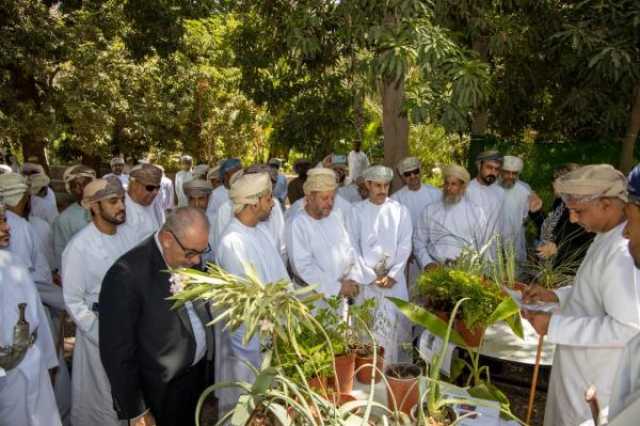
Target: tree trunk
x,y
395,126
480,118
631,136
34,148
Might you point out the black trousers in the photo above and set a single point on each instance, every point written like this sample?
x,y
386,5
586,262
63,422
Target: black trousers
x,y
181,397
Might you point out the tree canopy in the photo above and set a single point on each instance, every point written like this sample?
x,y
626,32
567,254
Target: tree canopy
x,y
287,78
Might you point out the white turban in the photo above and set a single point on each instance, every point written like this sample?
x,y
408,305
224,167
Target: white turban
x,y
101,189
247,189
186,159
5,169
37,182
456,171
511,163
200,171
378,174
12,188
197,186
117,160
408,164
77,171
320,179
591,182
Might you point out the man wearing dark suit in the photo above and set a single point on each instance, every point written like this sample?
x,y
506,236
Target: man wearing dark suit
x,y
154,356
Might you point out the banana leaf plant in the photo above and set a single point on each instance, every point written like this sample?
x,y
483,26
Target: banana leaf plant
x,y
482,388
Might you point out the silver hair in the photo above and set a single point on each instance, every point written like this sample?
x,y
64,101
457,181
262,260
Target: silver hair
x,y
182,219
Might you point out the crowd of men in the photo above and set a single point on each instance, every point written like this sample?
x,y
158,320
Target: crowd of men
x,y
105,261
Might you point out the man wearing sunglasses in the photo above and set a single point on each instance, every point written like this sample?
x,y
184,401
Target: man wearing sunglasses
x,y
415,196
154,356
144,186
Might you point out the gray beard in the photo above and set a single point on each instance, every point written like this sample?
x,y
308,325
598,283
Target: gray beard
x,y
450,200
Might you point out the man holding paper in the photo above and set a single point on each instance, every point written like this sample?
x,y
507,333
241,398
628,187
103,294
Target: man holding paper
x,y
600,312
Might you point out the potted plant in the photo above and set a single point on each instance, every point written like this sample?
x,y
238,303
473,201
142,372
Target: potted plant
x,y
403,389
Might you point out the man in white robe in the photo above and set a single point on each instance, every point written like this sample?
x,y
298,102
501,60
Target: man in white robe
x,y
221,194
32,244
518,198
280,187
318,244
43,199
484,192
117,170
85,261
274,224
74,217
357,160
26,393
198,191
626,385
244,242
415,196
184,175
450,224
381,232
165,199
144,186
600,312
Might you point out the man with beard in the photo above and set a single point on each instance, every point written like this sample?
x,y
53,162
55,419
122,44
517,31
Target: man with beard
x,y
144,186
381,233
31,243
245,243
600,312
27,351
213,176
155,356
274,224
74,217
85,261
117,170
184,175
449,225
320,251
485,193
518,201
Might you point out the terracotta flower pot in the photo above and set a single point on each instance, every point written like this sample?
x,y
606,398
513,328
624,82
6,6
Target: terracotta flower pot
x,y
319,385
403,391
472,337
364,366
345,366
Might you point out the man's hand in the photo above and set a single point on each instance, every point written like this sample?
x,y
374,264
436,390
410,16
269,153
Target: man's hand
x,y
535,202
536,293
386,282
539,320
144,420
546,250
349,288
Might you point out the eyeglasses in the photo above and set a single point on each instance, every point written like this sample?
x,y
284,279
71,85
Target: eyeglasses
x,y
411,173
190,253
151,188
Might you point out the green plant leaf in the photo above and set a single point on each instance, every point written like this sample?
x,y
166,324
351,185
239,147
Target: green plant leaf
x,y
426,319
508,311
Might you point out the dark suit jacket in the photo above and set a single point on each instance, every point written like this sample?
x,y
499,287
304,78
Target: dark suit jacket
x,y
143,343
